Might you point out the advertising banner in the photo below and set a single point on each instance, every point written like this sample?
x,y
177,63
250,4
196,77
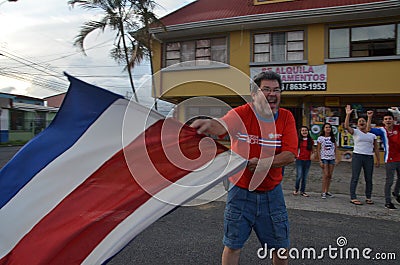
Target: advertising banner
x,y
298,77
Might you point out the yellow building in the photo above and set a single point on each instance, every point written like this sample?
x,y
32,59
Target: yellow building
x,y
329,54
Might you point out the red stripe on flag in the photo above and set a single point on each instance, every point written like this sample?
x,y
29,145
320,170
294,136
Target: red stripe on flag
x,y
69,233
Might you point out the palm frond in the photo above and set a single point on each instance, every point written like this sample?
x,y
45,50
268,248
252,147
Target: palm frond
x,y
86,29
137,55
131,18
88,5
118,55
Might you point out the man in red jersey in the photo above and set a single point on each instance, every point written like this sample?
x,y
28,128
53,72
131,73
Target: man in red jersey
x,y
266,135
390,135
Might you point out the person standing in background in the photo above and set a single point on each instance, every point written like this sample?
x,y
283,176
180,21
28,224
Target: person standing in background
x,y
326,152
303,161
365,145
390,135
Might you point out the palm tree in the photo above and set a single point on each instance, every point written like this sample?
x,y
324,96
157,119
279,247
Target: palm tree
x,y
121,16
143,38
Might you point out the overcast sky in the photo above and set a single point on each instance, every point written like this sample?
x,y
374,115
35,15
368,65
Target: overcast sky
x,y
36,41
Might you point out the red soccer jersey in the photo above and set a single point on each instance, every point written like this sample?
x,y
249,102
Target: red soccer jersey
x,y
304,153
254,136
394,144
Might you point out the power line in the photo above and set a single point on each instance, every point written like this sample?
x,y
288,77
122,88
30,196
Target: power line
x,y
42,70
100,45
106,76
35,78
44,83
31,64
30,77
99,66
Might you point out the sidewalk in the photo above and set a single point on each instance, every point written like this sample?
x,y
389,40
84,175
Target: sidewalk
x,y
339,187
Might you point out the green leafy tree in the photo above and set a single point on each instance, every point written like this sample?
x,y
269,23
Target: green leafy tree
x,y
130,19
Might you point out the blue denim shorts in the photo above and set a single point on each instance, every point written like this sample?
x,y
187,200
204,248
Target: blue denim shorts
x,y
328,161
264,212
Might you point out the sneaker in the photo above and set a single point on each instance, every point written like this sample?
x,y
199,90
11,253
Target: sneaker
x,y
323,195
390,206
330,195
397,197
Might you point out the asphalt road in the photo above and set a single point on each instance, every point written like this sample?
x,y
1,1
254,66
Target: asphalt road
x,y
192,235
6,153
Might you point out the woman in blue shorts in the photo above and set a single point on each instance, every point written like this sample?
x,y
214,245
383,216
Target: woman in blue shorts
x,y
326,150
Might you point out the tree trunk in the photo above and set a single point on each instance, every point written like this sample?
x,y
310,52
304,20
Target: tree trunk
x,y
127,61
153,86
150,49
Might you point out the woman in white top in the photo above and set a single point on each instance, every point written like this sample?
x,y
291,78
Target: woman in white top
x,y
326,151
365,145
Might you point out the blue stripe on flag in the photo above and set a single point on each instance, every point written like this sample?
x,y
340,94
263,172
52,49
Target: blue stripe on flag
x,y
82,105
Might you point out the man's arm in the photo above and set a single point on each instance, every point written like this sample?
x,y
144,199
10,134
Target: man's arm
x,y
209,126
376,150
279,160
283,159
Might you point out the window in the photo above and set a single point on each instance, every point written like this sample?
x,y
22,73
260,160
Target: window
x,y
27,121
202,51
364,41
339,43
18,121
278,46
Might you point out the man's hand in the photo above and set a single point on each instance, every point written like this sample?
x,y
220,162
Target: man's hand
x,y
202,125
252,164
259,165
395,111
210,126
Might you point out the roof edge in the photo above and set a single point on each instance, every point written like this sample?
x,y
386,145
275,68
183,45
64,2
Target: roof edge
x,y
307,13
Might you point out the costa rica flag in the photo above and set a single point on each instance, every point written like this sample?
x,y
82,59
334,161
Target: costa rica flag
x,y
104,170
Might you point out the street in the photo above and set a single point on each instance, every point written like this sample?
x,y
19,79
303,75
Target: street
x,y
6,153
193,235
